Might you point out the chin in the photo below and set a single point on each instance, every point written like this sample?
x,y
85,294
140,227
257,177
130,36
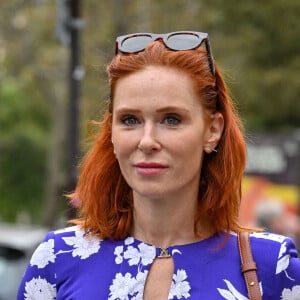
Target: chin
x,y
149,194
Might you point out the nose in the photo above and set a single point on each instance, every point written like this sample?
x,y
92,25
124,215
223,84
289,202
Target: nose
x,y
149,139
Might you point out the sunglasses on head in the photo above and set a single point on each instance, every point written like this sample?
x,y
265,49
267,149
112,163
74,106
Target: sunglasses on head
x,y
176,41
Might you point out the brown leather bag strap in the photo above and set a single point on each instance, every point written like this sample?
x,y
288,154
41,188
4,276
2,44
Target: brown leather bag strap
x,y
248,266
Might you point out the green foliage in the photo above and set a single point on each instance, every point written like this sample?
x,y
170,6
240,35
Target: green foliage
x,y
22,153
264,51
22,173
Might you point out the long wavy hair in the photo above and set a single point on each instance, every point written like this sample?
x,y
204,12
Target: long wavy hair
x,y
105,198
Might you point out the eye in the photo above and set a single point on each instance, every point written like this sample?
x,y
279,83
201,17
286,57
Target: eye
x,y
172,120
129,120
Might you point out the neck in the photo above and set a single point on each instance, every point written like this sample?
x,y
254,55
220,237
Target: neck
x,y
167,222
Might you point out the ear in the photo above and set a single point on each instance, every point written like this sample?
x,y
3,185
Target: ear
x,y
213,132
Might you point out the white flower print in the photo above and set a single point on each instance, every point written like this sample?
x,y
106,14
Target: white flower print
x,y
132,255
84,245
283,261
140,284
282,264
39,289
180,287
269,236
43,254
283,258
118,253
232,293
67,229
282,250
144,254
147,253
293,294
129,240
176,251
122,287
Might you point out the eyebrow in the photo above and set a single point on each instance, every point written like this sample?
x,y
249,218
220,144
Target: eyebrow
x,y
160,110
173,108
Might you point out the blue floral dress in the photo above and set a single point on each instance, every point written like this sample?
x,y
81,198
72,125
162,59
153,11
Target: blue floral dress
x,y
70,264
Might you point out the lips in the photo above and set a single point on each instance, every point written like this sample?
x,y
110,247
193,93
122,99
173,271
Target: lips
x,y
150,168
150,165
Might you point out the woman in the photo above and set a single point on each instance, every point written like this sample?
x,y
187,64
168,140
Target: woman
x,y
160,190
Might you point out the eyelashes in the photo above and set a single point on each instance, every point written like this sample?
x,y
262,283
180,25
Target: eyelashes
x,y
171,120
129,120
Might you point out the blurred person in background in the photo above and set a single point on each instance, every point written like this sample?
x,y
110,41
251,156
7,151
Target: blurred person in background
x,y
160,189
274,217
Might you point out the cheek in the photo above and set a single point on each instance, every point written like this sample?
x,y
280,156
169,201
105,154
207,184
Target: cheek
x,y
123,146
190,153
191,144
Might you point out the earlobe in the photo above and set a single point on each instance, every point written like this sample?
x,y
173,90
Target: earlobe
x,y
208,149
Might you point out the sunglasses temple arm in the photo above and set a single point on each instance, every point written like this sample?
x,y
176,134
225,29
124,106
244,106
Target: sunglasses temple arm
x,y
117,48
210,57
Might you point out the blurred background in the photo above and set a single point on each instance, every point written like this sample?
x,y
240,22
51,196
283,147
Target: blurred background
x,y
52,82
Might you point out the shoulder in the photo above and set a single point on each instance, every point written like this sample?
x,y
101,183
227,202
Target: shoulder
x,y
71,240
274,249
277,262
75,239
69,233
63,232
61,261
268,248
266,242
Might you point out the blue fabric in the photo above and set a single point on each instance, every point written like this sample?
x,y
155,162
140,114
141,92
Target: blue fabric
x,y
70,264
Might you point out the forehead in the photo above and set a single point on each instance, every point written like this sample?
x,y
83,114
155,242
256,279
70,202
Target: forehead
x,y
156,84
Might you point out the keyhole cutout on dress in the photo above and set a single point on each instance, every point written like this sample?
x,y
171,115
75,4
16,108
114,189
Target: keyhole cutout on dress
x,y
159,279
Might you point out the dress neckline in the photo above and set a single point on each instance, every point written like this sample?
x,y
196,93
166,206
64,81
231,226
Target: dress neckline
x,y
213,240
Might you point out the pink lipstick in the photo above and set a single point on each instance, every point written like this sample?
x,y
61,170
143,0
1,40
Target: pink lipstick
x,y
149,168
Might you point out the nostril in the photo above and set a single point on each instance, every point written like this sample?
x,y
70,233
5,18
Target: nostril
x,y
149,140
149,146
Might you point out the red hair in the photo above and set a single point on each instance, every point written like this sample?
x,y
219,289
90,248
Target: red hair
x,y
105,199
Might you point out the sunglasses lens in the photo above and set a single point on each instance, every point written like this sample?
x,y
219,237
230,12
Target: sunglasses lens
x,y
183,41
135,43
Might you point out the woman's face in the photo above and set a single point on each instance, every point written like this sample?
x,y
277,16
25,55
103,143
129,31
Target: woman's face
x,y
160,132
